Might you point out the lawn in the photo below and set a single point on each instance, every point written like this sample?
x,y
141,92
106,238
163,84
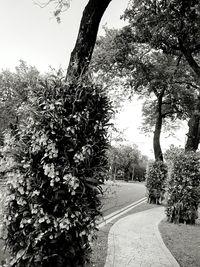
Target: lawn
x,y
183,241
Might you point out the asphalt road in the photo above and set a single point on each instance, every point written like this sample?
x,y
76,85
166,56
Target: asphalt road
x,y
120,194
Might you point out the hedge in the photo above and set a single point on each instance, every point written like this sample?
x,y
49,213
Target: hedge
x,y
156,182
184,188
56,164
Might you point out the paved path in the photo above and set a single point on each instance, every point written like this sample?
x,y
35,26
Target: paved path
x,y
134,241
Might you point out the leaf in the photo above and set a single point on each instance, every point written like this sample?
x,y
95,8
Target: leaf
x,y
19,255
92,180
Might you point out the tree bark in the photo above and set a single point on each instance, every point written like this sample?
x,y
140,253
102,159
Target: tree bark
x,y
133,173
158,127
114,174
82,52
193,136
190,59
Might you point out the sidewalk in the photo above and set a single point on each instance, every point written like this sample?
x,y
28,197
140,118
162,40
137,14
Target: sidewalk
x,y
134,241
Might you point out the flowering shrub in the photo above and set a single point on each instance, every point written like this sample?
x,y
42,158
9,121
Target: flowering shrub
x,y
55,167
156,181
184,188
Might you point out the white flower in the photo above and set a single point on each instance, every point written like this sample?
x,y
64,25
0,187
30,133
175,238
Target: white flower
x,y
78,157
35,193
49,170
21,190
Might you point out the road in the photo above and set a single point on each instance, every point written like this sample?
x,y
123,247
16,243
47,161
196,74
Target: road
x,y
120,194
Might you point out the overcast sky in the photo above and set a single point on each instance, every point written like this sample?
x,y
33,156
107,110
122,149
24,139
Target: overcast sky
x,y
31,33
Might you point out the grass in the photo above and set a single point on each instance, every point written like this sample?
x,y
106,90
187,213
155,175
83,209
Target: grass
x,y
183,241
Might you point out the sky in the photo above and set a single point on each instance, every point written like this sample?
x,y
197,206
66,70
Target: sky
x,y
32,34
129,121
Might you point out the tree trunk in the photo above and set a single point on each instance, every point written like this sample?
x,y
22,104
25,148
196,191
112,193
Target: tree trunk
x,y
133,173
82,52
114,174
156,140
158,127
193,136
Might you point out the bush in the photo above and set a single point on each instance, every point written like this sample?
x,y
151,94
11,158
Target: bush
x,y
156,182
184,188
56,164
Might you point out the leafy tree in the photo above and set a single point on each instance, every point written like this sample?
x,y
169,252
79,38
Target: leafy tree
x,y
173,27
128,161
147,72
14,94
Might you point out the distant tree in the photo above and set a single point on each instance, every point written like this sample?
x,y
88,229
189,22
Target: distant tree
x,y
127,161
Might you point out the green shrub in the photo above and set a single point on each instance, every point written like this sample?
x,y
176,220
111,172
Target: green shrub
x,y
156,181
56,164
184,188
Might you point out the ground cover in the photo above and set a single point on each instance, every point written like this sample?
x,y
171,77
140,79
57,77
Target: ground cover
x,y
183,241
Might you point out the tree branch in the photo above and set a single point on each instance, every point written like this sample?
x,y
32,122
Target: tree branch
x,y
190,59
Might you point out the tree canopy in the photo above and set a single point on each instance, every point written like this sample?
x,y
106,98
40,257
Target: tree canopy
x,y
167,83
173,27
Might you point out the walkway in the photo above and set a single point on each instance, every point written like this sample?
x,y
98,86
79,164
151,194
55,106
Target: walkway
x,y
134,241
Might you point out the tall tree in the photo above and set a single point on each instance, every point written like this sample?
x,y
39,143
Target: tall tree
x,y
82,52
87,34
145,71
174,27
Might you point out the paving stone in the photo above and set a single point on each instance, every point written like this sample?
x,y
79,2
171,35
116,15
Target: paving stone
x,y
135,241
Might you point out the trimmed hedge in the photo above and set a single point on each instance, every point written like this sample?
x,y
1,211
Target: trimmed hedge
x,y
156,182
184,188
56,164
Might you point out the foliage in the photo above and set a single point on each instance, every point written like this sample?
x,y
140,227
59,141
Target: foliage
x,y
156,176
56,164
59,7
139,171
164,80
184,188
126,162
145,71
14,93
166,25
171,153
